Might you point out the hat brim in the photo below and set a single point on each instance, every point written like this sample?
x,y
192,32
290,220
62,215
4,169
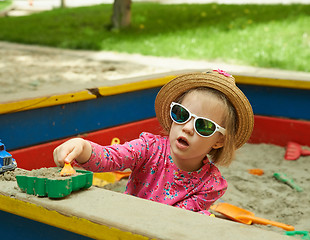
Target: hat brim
x,y
177,86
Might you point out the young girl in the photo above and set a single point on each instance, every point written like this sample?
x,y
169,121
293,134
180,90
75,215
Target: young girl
x,y
207,118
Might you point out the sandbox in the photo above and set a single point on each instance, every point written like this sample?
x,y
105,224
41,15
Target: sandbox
x,y
116,215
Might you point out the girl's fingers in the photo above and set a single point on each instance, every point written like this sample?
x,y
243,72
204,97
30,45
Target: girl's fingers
x,y
56,158
75,152
63,153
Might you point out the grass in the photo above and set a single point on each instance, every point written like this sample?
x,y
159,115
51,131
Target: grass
x,y
275,36
4,4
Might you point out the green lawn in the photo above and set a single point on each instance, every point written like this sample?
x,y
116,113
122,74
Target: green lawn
x,y
5,4
276,36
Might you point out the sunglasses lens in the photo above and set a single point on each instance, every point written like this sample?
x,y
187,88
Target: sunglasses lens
x,y
179,114
205,127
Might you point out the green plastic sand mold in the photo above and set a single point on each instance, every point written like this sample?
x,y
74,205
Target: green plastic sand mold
x,y
54,188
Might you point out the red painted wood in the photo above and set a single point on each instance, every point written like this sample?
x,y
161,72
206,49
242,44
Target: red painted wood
x,y
41,155
279,131
271,130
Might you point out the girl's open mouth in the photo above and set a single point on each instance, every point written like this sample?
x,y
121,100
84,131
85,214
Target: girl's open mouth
x,y
183,142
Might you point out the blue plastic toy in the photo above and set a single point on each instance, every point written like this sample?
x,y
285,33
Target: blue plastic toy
x,y
7,163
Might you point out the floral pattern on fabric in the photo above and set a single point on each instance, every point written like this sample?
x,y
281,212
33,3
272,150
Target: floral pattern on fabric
x,y
155,176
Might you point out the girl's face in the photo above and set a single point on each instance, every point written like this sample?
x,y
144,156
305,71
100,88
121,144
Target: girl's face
x,y
188,149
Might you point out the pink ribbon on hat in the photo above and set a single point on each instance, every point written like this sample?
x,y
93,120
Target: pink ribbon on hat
x,y
222,72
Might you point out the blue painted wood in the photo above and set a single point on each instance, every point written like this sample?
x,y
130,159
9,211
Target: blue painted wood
x,y
13,227
26,128
278,102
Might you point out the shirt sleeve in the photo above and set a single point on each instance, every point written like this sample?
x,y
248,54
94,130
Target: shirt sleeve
x,y
201,201
118,156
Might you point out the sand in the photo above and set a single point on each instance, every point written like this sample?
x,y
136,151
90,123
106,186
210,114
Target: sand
x,y
264,195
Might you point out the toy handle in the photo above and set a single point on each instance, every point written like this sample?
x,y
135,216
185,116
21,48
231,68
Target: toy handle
x,y
115,141
305,152
267,222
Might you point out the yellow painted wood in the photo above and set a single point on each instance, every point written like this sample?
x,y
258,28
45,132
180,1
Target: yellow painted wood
x,y
45,102
80,96
136,86
130,87
260,81
70,223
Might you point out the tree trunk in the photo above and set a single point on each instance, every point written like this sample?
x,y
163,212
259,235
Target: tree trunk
x,y
121,13
63,3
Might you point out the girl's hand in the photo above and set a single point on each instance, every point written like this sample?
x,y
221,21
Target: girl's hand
x,y
76,148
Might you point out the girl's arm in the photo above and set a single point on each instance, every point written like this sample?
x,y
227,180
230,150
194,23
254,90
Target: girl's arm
x,y
114,157
120,156
97,158
74,149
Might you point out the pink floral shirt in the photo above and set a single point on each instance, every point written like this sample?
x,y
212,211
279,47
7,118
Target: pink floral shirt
x,y
154,175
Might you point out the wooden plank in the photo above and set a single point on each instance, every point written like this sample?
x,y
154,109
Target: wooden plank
x,y
112,106
26,128
83,95
41,102
280,131
278,102
150,82
15,227
70,223
273,82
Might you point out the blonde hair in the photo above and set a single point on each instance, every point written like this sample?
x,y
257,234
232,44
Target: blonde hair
x,y
222,156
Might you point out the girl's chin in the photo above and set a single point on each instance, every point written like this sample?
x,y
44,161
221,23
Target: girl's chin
x,y
185,166
189,168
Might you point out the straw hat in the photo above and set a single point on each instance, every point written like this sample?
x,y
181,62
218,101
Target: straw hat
x,y
216,79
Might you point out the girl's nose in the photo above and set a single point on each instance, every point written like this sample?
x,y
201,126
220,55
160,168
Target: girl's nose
x,y
189,127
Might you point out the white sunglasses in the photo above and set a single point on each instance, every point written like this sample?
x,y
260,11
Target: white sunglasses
x,y
203,126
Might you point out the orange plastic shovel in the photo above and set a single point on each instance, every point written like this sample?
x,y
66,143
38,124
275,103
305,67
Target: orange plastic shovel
x,y
120,175
246,217
67,170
